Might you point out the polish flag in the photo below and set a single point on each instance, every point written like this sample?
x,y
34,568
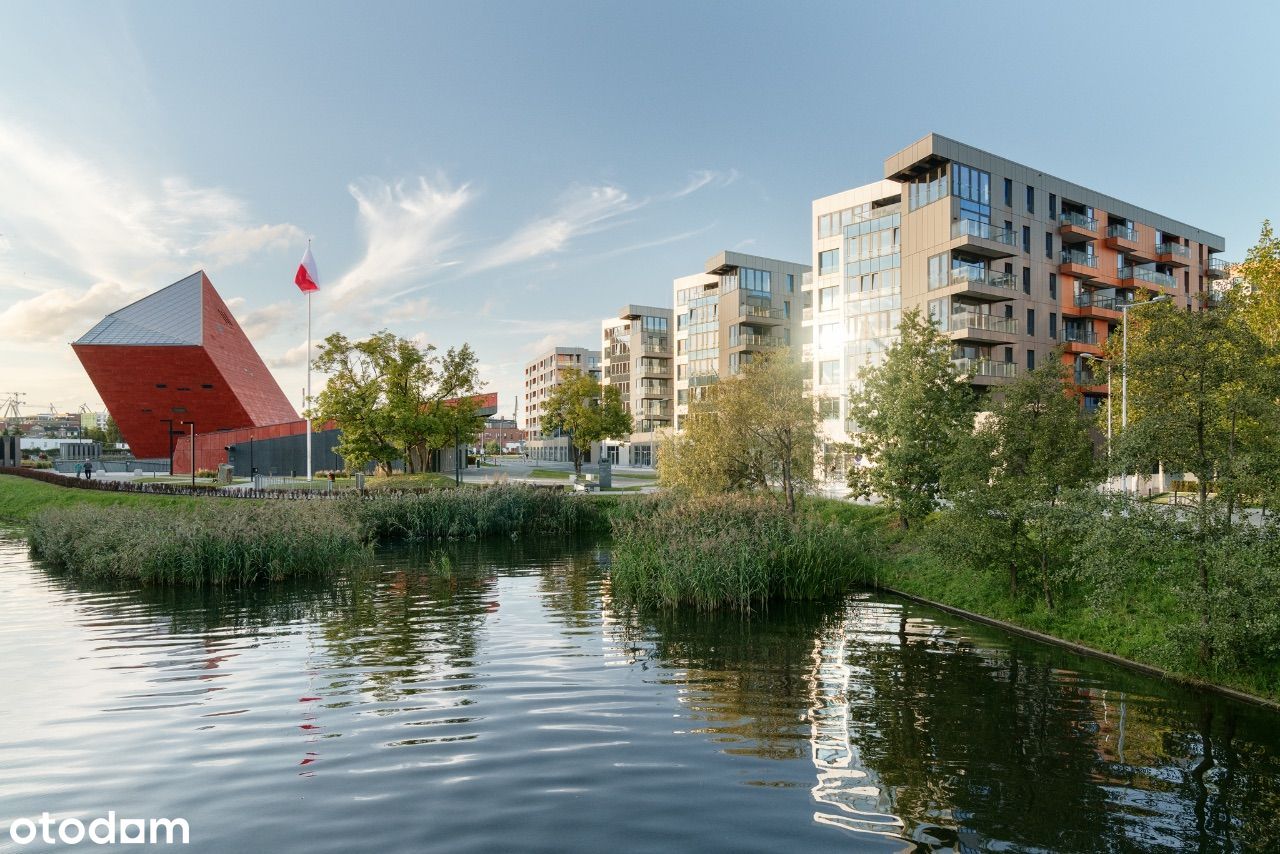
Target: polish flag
x,y
307,279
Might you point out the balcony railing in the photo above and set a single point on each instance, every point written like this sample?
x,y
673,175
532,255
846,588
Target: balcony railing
x,y
656,348
985,368
1079,220
1084,259
983,276
1110,303
750,311
990,322
1123,232
1173,249
982,231
1217,268
1142,274
1079,335
759,341
1086,377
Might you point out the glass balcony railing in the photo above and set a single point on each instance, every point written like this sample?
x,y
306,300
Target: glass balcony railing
x,y
1173,249
1084,259
983,276
1079,220
1123,232
990,322
759,341
1078,335
1143,274
985,368
655,348
1109,302
1086,377
750,311
1217,267
982,231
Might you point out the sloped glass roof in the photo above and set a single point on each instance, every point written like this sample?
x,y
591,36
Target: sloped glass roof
x,y
172,315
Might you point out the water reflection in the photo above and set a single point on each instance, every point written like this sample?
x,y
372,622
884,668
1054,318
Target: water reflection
x,y
503,680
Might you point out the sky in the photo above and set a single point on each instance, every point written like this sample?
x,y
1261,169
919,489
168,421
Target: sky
x,y
509,174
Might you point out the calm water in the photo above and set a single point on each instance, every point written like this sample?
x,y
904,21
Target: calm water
x,y
513,705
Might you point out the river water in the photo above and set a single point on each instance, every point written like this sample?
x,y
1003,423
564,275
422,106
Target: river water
x,y
509,703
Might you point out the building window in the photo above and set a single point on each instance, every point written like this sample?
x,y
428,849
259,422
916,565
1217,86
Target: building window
x,y
1031,360
1053,206
973,188
753,280
927,188
1008,310
786,308
829,372
938,277
1031,321
828,262
1053,286
1031,199
791,283
1048,244
828,408
1053,325
828,298
1026,280
1008,354
1008,192
1026,239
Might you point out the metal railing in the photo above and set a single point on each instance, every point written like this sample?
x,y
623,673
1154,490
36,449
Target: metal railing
x,y
758,341
749,311
983,276
1084,259
1173,249
1143,274
1084,377
1110,303
1123,232
1079,335
982,231
1079,220
990,322
1217,267
985,368
655,348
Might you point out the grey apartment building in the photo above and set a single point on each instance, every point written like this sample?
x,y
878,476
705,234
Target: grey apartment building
x,y
738,307
540,377
1008,261
636,350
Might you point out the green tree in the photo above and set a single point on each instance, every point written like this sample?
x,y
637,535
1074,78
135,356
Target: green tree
x,y
910,412
111,434
1007,479
1260,303
588,413
754,432
393,399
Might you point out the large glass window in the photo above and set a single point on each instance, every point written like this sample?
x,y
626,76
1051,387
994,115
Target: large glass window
x,y
754,280
938,271
828,298
828,262
927,188
829,372
973,187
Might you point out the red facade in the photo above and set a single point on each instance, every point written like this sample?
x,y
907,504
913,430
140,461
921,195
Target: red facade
x,y
178,355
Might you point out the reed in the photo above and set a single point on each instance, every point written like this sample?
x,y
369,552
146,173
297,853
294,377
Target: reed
x,y
214,544
728,552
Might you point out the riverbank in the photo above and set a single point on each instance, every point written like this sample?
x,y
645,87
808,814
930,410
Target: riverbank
x,y
22,498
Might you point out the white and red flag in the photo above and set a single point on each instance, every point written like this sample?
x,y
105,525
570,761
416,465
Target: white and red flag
x,y
307,279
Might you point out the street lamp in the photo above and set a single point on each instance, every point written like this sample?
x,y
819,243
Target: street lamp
x,y
1124,359
193,453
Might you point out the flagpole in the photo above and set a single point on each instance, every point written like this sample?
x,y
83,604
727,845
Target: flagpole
x,y
307,402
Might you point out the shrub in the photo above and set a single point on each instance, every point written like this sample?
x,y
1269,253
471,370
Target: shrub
x,y
728,552
206,473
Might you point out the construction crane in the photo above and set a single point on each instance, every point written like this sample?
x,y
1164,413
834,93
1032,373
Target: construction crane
x,y
12,402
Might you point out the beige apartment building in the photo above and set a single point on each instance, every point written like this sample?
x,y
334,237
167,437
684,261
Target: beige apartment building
x,y
739,306
540,377
1008,261
636,356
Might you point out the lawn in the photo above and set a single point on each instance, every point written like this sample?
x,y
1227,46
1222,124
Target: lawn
x,y
550,474
21,498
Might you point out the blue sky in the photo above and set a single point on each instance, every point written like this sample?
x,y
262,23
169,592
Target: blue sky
x,y
507,174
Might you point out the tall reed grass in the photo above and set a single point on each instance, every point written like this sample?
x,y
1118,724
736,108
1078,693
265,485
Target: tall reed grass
x,y
469,514
218,543
728,552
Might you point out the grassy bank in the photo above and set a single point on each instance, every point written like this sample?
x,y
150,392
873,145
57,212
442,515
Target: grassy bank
x,y
728,552
21,499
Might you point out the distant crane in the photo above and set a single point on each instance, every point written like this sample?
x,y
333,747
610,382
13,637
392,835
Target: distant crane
x,y
12,401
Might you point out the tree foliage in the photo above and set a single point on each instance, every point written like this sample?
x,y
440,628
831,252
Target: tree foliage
x,y
1260,302
911,411
589,413
1007,477
756,432
395,400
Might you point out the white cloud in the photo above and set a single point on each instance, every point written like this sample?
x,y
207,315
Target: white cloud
x,y
65,313
582,210
703,178
294,357
239,244
262,322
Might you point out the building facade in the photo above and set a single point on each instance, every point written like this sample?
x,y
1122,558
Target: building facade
x,y
738,307
1008,261
176,358
540,377
636,357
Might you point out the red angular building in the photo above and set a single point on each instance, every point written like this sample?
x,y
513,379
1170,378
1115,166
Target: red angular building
x,y
177,357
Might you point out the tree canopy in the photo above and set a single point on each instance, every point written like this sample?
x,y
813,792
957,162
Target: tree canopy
x,y
579,406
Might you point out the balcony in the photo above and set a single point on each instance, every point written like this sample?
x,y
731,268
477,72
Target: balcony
x,y
656,349
987,328
1076,227
758,341
654,390
1092,302
1134,277
1122,238
1087,378
1082,265
1217,268
659,371
985,371
761,315
983,284
1173,253
806,313
983,238
1080,335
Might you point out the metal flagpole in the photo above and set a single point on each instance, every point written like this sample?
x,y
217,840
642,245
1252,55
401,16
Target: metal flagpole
x,y
307,402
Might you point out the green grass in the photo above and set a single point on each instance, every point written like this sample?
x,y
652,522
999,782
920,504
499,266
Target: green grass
x,y
422,480
550,474
21,499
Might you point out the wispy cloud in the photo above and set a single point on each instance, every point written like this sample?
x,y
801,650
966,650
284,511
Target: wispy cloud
x,y
64,313
649,244
581,211
239,244
706,178
260,323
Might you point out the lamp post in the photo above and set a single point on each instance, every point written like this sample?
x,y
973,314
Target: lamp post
x,y
169,421
193,453
1124,364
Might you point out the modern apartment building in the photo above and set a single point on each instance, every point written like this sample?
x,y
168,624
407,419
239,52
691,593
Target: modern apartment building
x,y
1008,261
540,377
739,306
636,356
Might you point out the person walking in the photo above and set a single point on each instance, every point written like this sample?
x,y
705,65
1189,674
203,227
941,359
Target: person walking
x,y
88,471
